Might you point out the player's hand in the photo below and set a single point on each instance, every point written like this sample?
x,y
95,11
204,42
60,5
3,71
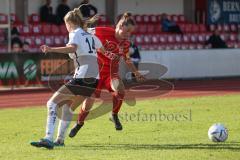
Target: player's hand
x,y
139,77
96,17
45,48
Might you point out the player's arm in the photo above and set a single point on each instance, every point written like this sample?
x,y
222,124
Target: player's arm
x,y
131,66
70,48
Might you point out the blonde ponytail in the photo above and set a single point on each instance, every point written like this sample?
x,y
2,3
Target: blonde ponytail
x,y
75,17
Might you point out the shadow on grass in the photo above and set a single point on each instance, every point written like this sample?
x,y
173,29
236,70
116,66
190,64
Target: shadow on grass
x,y
215,146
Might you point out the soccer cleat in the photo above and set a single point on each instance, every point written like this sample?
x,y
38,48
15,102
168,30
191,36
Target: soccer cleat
x,y
75,130
43,143
59,143
114,118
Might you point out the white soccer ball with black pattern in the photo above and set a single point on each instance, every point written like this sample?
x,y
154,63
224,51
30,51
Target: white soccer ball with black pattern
x,y
218,133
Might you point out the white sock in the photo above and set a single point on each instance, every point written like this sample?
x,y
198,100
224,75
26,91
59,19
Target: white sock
x,y
51,120
64,122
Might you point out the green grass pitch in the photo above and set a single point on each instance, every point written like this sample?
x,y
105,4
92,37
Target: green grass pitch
x,y
169,129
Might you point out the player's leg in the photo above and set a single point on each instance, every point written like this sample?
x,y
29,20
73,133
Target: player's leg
x,y
59,98
66,118
88,89
118,89
84,111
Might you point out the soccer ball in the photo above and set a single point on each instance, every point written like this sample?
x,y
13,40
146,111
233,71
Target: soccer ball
x,y
218,133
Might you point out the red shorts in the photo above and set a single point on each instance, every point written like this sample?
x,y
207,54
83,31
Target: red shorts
x,y
105,82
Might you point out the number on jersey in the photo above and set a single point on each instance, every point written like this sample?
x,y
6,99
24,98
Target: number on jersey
x,y
91,45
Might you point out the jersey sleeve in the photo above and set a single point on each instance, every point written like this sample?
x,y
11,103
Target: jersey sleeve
x,y
73,39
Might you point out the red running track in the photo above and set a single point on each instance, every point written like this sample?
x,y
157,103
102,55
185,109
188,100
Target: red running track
x,y
186,88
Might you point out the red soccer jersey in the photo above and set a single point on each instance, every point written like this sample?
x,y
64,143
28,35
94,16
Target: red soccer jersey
x,y
115,49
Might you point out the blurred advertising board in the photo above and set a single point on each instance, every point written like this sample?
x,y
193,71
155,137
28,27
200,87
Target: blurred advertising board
x,y
33,70
223,11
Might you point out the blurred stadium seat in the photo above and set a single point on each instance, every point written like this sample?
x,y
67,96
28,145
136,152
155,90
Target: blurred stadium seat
x,y
3,18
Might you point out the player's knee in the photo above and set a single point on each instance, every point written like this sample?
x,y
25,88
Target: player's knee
x,y
119,94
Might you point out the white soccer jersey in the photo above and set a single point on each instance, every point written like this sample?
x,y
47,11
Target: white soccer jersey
x,y
85,58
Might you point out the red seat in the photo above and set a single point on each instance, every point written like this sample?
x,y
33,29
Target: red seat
x,y
238,45
169,46
150,28
145,18
175,18
226,28
212,27
15,19
147,39
184,46
169,17
200,46
188,28
138,18
224,36
176,46
39,40
63,30
233,37
153,19
55,29
155,39
219,27
19,27
162,38
37,29
142,28
181,18
58,40
26,30
201,37
171,38
138,39
34,48
193,38
29,39
182,27
231,44
158,28
192,46
46,29
202,28
153,47
178,38
145,47
207,35
3,18
49,40
195,28
233,28
186,38
34,18
3,48
159,18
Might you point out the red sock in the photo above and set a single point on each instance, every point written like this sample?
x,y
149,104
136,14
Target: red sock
x,y
117,102
82,116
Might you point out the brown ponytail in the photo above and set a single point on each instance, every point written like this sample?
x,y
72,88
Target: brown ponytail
x,y
126,19
89,21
